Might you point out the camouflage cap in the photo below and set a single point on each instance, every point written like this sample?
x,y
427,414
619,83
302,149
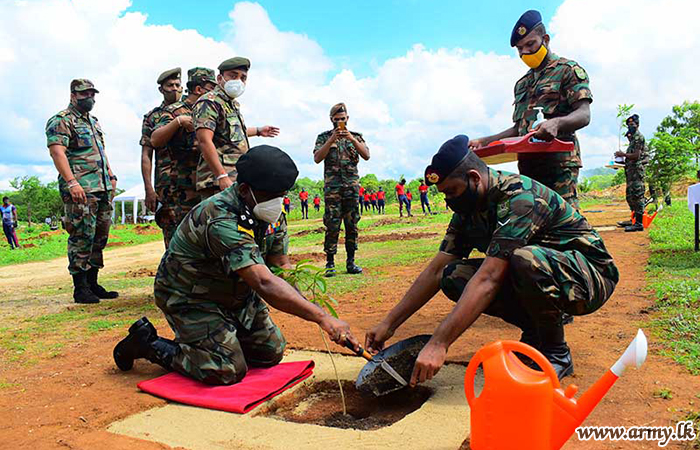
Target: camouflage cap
x,y
338,108
237,62
168,74
199,75
82,84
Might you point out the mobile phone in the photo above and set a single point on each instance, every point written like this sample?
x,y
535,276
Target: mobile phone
x,y
341,126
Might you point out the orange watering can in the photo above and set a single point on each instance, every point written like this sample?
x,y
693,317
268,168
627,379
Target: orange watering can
x,y
525,409
646,218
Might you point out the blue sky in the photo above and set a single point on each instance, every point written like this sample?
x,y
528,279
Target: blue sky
x,y
361,34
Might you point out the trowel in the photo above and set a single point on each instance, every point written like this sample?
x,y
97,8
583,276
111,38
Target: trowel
x,y
382,363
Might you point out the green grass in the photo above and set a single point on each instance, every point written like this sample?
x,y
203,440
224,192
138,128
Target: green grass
x,y
674,275
54,246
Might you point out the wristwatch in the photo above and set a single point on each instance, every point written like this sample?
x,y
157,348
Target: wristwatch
x,y
113,177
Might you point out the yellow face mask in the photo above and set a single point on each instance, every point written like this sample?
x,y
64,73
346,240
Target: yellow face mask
x,y
533,60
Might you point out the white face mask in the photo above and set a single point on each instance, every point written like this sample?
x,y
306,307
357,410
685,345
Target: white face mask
x,y
269,211
234,88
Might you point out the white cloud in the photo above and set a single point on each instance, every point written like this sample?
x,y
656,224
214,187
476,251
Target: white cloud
x,y
638,52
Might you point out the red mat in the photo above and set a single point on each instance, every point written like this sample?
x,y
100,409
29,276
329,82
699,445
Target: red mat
x,y
259,385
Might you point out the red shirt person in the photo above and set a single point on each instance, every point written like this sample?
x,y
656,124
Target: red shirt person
x,y
317,201
303,196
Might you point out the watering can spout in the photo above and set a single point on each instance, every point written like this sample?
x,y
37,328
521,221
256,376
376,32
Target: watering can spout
x,y
634,355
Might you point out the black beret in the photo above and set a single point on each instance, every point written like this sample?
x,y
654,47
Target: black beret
x,y
236,62
168,74
524,25
634,118
267,168
445,161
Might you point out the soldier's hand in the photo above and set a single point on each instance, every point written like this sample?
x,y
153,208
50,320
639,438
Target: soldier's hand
x,y
428,364
78,194
547,130
344,134
268,131
477,143
114,187
186,123
151,200
377,336
339,331
620,154
225,183
334,135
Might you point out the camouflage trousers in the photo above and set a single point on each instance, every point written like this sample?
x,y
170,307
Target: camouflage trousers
x,y
341,207
227,349
88,229
561,179
183,200
542,284
634,193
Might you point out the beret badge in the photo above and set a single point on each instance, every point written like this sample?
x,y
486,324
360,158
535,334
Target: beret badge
x,y
433,178
522,30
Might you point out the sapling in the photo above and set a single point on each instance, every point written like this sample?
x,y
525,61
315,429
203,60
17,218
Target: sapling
x,y
310,281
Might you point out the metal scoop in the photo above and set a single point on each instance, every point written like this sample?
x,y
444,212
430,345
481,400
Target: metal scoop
x,y
383,364
400,357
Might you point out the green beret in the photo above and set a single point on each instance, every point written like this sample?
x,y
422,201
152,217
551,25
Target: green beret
x,y
199,75
235,63
172,73
82,84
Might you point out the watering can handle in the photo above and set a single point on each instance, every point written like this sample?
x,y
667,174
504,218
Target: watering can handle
x,y
509,346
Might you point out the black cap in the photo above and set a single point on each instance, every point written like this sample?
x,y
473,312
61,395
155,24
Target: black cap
x,y
524,25
634,118
445,161
267,168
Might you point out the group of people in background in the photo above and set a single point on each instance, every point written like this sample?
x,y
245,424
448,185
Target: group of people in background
x,y
368,198
303,202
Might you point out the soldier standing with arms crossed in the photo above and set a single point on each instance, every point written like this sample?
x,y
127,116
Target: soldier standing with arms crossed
x,y
222,135
340,149
87,184
175,132
171,88
560,87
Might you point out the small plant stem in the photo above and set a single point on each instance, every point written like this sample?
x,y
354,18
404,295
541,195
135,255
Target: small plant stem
x,y
335,369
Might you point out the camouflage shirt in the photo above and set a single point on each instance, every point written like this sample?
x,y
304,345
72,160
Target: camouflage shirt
x,y
556,87
217,112
340,165
637,143
216,239
162,171
519,212
83,138
182,148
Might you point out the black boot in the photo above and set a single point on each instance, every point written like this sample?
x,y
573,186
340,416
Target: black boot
x,y
143,342
638,223
350,265
330,265
530,337
96,289
81,289
553,347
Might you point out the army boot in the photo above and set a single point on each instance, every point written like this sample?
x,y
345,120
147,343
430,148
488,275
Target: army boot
x,y
624,223
350,265
96,289
143,342
81,289
530,337
330,265
553,346
638,225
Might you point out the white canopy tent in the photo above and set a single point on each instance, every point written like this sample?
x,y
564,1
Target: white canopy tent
x,y
136,194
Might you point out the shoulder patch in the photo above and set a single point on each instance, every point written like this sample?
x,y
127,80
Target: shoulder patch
x,y
580,73
502,210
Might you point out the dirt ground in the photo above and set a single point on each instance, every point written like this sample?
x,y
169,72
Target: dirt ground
x,y
68,401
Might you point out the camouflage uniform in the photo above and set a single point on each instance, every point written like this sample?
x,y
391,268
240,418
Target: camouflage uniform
x,y
555,87
634,173
162,173
220,323
341,190
217,112
87,224
184,157
557,261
